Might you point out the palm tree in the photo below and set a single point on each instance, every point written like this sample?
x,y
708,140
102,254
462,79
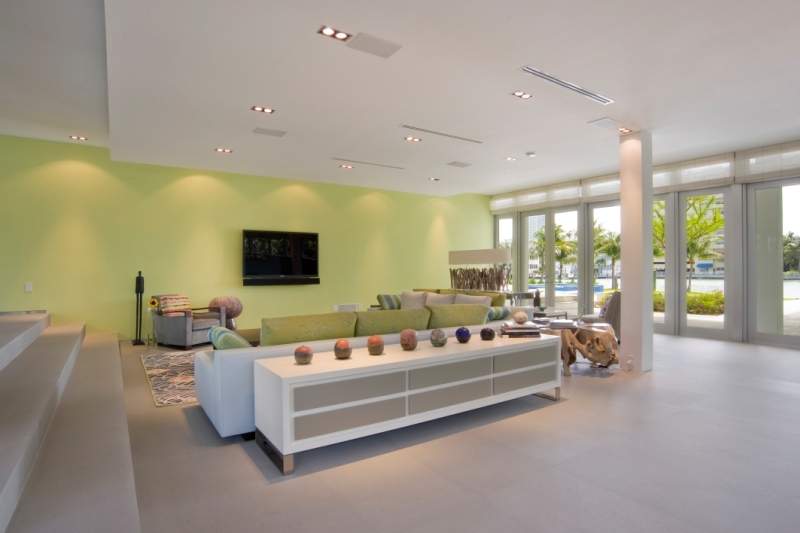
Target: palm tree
x,y
538,246
704,219
610,246
659,228
565,247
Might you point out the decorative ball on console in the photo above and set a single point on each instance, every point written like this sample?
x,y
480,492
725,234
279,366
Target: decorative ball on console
x,y
438,338
408,340
233,308
375,345
303,355
463,335
487,334
520,317
342,349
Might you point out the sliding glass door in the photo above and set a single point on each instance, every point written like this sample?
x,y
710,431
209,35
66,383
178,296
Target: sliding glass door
x,y
774,262
606,253
701,305
550,252
504,238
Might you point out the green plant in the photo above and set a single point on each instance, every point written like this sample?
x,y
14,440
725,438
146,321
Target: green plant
x,y
705,303
610,246
703,220
659,305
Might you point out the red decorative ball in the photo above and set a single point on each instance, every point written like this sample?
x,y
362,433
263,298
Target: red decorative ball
x,y
408,340
303,355
375,345
342,349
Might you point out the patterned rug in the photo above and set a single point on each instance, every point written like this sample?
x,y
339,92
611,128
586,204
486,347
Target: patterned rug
x,y
171,377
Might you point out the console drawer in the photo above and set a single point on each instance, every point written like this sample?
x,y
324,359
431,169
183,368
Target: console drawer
x,y
419,378
526,378
307,426
348,390
515,360
436,399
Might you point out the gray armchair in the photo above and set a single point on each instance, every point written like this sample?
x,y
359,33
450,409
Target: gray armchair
x,y
610,314
188,328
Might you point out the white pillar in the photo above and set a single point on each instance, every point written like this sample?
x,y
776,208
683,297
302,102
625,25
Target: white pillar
x,y
636,199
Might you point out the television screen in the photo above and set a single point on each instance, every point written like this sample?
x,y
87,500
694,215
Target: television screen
x,y
280,257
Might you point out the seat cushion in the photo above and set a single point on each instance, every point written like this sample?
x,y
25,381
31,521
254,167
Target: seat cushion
x,y
225,339
204,323
449,316
498,298
291,329
394,321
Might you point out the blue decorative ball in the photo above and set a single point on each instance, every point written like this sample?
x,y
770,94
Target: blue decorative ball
x,y
463,335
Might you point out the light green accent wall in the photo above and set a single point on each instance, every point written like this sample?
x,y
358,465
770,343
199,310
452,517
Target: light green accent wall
x,y
79,226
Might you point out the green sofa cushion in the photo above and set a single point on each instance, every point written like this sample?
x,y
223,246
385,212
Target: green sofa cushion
x,y
391,321
225,339
449,316
290,329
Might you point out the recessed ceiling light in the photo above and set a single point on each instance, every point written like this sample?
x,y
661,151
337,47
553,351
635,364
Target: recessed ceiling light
x,y
434,179
222,150
333,33
262,109
624,131
346,166
522,94
80,138
510,158
412,139
530,154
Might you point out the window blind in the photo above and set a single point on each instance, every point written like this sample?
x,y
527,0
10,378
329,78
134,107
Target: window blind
x,y
771,162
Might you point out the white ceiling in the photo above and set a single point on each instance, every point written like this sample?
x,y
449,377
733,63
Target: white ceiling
x,y
706,76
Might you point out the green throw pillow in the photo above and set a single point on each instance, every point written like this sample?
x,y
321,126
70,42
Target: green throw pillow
x,y
392,321
498,312
449,316
389,301
225,339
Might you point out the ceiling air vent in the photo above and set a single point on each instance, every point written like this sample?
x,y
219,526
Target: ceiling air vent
x,y
441,134
364,42
599,98
269,132
458,164
370,163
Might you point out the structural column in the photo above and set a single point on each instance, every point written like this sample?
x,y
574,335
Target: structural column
x,y
636,199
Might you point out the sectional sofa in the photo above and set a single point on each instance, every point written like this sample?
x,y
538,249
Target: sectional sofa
x,y
224,378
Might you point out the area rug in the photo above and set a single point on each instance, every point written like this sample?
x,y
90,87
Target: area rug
x,y
171,377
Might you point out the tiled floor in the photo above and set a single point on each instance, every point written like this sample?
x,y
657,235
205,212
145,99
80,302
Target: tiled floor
x,y
708,442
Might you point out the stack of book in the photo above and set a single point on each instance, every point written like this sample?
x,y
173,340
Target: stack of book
x,y
526,329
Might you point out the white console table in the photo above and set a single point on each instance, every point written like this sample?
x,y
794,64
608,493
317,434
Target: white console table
x,y
301,407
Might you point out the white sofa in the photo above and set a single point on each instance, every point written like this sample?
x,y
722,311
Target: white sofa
x,y
224,378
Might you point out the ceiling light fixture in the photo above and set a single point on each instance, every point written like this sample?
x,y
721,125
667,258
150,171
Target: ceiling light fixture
x,y
333,33
624,131
435,179
346,166
530,154
221,150
79,138
412,139
262,109
522,94
509,158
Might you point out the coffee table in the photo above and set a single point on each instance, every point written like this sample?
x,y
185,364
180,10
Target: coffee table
x,y
301,407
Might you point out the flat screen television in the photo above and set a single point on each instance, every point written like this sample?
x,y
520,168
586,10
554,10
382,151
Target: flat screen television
x,y
280,258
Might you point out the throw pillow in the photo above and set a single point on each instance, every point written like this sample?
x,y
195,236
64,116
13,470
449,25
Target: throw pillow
x,y
412,300
389,301
431,298
480,300
498,312
173,304
225,339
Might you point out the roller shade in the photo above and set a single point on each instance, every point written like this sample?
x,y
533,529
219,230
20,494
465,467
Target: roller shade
x,y
771,162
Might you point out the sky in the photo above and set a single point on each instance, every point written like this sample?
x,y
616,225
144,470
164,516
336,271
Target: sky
x,y
791,209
